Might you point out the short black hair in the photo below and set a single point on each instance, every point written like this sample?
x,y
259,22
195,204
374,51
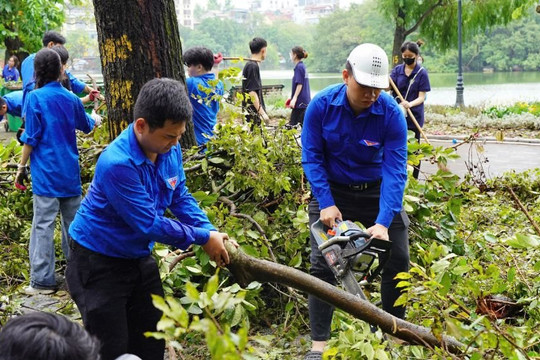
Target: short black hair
x,y
199,55
43,336
160,100
47,67
63,52
53,36
257,44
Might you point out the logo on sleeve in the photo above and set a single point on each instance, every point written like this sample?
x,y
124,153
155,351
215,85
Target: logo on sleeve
x,y
173,181
370,143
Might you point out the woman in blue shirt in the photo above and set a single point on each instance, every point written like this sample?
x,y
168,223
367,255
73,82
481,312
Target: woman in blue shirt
x,y
412,82
50,142
301,95
10,72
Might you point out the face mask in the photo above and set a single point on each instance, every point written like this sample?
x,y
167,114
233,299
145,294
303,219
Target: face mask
x,y
419,62
408,61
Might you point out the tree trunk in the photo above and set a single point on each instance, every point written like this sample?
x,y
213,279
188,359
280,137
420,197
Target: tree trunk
x,y
247,269
13,47
399,38
138,41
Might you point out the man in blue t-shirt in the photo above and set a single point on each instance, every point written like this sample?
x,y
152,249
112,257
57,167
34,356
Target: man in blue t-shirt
x,y
111,272
50,39
11,103
354,154
205,92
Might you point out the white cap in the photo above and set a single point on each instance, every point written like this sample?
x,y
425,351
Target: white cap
x,y
370,65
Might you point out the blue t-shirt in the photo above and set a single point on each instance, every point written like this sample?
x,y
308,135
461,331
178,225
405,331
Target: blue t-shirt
x,y
420,83
300,77
10,74
123,213
53,115
14,102
340,147
203,94
29,82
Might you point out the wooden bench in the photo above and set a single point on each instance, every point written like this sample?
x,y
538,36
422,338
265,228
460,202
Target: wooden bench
x,y
266,90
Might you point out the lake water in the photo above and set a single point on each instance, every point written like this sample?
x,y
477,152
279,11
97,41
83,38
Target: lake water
x,y
480,89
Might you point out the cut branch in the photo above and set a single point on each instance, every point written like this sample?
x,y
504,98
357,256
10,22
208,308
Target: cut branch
x,y
232,209
247,269
520,205
180,258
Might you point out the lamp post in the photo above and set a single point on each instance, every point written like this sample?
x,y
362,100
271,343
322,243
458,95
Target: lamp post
x,y
459,84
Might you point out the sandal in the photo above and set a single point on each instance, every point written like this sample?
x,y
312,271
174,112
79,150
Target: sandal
x,y
313,355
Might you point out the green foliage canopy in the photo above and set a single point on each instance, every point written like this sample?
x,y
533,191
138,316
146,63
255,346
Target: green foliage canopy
x,y
436,20
23,22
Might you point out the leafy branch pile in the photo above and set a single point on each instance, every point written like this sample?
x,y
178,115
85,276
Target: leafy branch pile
x,y
470,245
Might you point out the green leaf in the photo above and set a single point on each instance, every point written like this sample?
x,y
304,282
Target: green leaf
x,y
193,269
289,306
296,261
191,292
212,285
521,241
511,274
253,234
216,160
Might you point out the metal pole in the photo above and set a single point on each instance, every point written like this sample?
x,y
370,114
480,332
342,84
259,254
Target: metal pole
x,y
459,84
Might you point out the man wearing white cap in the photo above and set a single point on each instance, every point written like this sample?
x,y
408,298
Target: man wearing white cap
x,y
354,154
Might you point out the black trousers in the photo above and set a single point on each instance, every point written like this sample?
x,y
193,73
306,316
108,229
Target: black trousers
x,y
113,296
297,116
360,206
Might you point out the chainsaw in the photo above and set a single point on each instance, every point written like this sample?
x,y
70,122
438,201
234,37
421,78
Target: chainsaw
x,y
350,253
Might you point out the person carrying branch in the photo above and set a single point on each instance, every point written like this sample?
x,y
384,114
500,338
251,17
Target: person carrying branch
x,y
354,154
412,81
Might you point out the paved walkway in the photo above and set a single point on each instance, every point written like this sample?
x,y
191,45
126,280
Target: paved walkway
x,y
512,154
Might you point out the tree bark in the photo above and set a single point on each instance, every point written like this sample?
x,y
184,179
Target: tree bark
x,y
138,41
247,269
13,47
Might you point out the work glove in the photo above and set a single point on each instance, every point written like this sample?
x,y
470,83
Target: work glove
x,y
21,177
94,95
97,118
218,58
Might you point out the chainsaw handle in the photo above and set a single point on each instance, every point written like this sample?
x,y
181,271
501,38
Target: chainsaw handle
x,y
343,239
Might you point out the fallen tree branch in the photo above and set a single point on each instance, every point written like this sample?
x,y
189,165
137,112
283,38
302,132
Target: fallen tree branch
x,y
179,258
232,209
522,208
247,269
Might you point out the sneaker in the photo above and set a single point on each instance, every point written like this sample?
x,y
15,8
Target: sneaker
x,y
30,290
313,355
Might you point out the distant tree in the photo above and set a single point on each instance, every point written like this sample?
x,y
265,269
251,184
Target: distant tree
x,y
23,22
79,44
338,33
436,20
283,35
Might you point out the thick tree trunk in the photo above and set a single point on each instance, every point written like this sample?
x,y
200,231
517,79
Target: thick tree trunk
x,y
247,269
13,47
138,41
399,38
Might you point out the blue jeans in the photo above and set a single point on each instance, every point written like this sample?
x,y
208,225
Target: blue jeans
x,y
42,257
